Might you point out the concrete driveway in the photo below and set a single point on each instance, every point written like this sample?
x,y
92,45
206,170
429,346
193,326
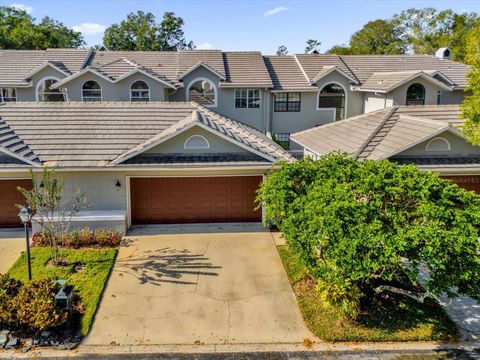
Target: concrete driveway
x,y
198,285
12,243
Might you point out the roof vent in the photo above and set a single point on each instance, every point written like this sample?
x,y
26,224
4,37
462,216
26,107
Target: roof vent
x,y
313,51
443,53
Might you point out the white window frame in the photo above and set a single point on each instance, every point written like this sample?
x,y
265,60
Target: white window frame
x,y
41,81
148,85
1,94
91,97
247,90
215,91
189,147
333,110
449,148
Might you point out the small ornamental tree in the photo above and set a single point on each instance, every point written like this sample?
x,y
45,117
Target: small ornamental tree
x,y
363,228
54,214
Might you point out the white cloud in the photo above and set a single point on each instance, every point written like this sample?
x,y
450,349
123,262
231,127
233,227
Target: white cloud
x,y
27,8
204,46
274,11
89,28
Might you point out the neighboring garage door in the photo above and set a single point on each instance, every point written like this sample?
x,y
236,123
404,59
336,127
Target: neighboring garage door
x,y
9,197
194,199
469,182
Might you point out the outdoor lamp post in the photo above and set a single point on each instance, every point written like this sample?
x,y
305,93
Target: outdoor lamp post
x,y
26,215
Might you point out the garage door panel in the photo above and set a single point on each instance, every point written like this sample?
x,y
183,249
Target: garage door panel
x,y
9,198
204,199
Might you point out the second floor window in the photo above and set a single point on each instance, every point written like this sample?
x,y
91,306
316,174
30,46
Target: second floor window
x,y
8,95
91,91
203,92
139,91
416,94
247,98
287,102
332,96
46,93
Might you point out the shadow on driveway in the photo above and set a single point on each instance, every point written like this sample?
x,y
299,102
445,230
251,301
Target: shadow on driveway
x,y
165,265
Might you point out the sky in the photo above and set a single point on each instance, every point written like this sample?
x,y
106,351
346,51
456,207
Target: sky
x,y
239,25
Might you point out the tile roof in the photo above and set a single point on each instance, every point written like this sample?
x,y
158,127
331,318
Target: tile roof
x,y
387,81
13,147
443,161
246,68
363,66
382,133
197,159
15,65
77,134
286,74
314,63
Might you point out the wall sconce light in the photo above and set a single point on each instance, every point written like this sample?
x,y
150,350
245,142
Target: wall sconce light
x,y
118,184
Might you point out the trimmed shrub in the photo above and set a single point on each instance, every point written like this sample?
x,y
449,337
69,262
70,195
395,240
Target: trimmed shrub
x,y
29,307
84,238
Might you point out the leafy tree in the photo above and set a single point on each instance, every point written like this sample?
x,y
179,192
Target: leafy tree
x,y
340,50
282,50
471,105
19,31
141,32
312,45
55,214
377,37
363,228
419,31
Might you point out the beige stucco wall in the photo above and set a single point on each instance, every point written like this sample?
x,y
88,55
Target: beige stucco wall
x,y
28,94
309,116
114,91
225,100
459,146
176,144
399,95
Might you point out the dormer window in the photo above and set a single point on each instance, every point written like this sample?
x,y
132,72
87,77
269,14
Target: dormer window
x,y
91,91
44,92
415,94
332,96
139,91
202,91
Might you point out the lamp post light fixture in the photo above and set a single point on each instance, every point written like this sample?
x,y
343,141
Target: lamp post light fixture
x,y
25,215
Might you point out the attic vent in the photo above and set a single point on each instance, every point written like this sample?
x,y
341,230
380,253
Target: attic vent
x,y
443,53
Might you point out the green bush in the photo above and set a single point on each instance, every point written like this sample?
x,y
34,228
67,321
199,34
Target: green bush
x,y
84,238
29,307
354,225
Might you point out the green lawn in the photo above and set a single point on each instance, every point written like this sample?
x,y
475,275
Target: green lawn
x,y
398,319
89,283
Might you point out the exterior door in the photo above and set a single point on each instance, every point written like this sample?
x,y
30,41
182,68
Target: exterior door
x,y
194,199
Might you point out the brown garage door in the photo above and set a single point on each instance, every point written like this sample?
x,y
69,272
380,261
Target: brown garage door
x,y
469,182
191,200
9,197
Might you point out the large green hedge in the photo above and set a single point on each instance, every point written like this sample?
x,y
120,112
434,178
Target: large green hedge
x,y
365,227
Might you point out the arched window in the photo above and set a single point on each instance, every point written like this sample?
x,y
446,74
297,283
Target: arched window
x,y
416,94
44,92
438,144
91,91
139,91
196,142
202,91
332,96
